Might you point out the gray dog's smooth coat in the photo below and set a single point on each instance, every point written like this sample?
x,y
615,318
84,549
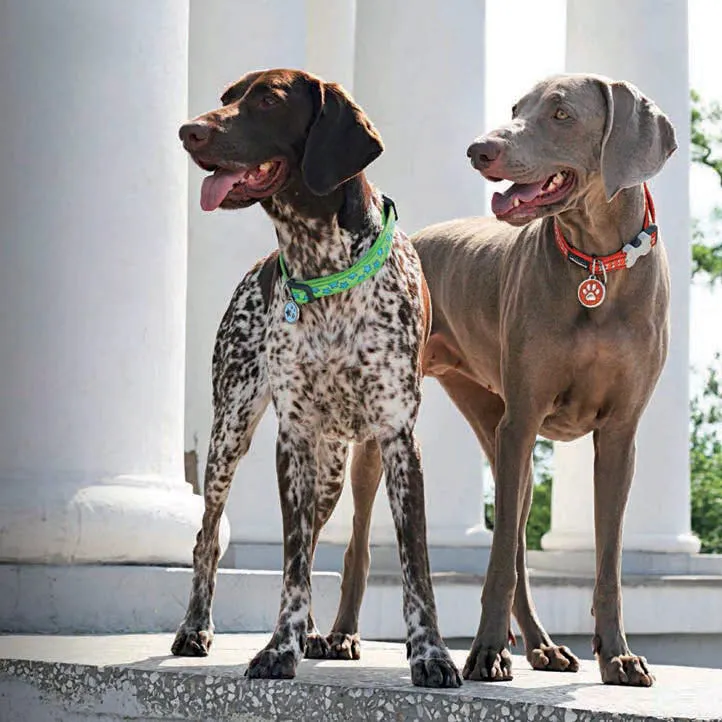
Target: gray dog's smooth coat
x,y
519,355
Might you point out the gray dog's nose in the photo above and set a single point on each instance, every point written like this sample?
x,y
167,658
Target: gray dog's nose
x,y
484,151
194,135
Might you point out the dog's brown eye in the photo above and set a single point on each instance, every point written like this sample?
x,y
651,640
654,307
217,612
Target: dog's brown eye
x,y
560,114
268,101
513,111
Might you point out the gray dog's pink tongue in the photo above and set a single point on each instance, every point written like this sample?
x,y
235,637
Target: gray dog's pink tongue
x,y
215,187
502,203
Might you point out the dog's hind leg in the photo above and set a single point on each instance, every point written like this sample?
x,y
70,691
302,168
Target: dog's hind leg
x,y
344,642
240,396
332,456
540,650
483,410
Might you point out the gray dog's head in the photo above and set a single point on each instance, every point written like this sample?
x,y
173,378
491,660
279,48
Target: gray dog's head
x,y
568,135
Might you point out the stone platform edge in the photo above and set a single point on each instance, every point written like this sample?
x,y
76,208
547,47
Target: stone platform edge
x,y
141,683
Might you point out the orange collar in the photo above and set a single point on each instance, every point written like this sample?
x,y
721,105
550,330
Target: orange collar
x,y
626,256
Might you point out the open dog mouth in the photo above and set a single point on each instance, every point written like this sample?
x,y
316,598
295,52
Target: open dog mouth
x,y
520,198
241,183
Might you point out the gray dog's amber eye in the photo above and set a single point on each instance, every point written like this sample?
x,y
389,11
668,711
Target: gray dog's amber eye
x,y
560,114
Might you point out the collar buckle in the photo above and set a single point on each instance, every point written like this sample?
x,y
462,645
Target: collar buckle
x,y
293,286
388,205
640,246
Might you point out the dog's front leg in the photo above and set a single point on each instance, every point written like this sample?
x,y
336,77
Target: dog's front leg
x,y
296,450
489,658
431,665
614,456
366,470
240,396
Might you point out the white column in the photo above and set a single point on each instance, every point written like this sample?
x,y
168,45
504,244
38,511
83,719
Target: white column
x,y
645,42
330,40
92,283
421,80
229,38
572,517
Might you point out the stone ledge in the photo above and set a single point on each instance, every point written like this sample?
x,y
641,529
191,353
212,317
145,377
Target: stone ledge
x,y
470,559
133,678
652,604
117,599
634,563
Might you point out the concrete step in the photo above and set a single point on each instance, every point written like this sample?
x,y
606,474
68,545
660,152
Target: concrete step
x,y
125,599
106,599
653,604
113,678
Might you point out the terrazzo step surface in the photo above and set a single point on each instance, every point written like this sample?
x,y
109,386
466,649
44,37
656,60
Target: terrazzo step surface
x,y
133,677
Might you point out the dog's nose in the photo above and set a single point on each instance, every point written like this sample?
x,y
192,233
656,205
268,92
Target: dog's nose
x,y
194,135
484,151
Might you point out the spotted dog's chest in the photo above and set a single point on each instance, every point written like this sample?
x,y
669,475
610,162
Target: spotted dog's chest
x,y
349,365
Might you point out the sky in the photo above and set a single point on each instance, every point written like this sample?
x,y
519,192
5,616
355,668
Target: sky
x,y
542,37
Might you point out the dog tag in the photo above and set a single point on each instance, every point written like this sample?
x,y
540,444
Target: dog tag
x,y
291,312
591,292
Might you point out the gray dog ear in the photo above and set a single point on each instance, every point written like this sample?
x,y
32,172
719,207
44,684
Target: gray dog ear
x,y
341,142
638,138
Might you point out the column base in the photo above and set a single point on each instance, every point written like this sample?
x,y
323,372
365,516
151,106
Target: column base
x,y
124,520
438,536
384,557
654,543
638,563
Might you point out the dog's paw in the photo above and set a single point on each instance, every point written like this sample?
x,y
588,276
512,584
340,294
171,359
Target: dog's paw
x,y
192,642
553,658
437,671
488,664
317,647
344,646
272,664
626,669
336,645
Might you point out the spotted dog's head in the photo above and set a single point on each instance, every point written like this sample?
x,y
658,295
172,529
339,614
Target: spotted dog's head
x,y
277,131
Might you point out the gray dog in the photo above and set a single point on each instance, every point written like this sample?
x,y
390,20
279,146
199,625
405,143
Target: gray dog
x,y
549,320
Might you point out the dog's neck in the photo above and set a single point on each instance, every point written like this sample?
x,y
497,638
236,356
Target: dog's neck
x,y
319,236
600,228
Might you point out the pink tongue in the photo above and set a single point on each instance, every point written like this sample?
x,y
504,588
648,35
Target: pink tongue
x,y
216,187
502,203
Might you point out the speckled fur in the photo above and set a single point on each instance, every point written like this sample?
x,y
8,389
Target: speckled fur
x,y
348,371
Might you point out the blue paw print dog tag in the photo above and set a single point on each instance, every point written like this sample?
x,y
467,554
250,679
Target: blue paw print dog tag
x,y
291,312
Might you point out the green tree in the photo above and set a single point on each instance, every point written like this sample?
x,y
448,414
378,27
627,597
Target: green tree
x,y
706,151
706,460
541,508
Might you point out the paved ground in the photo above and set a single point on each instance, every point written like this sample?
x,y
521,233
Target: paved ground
x,y
70,679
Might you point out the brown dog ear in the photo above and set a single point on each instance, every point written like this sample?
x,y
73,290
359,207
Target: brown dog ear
x,y
638,138
341,142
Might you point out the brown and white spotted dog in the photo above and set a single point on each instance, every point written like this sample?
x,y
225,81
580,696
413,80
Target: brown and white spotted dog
x,y
349,370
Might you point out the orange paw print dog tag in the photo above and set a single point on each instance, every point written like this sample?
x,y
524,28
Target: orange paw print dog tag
x,y
591,292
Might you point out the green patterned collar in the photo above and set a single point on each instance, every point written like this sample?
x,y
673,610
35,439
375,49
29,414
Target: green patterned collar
x,y
301,292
